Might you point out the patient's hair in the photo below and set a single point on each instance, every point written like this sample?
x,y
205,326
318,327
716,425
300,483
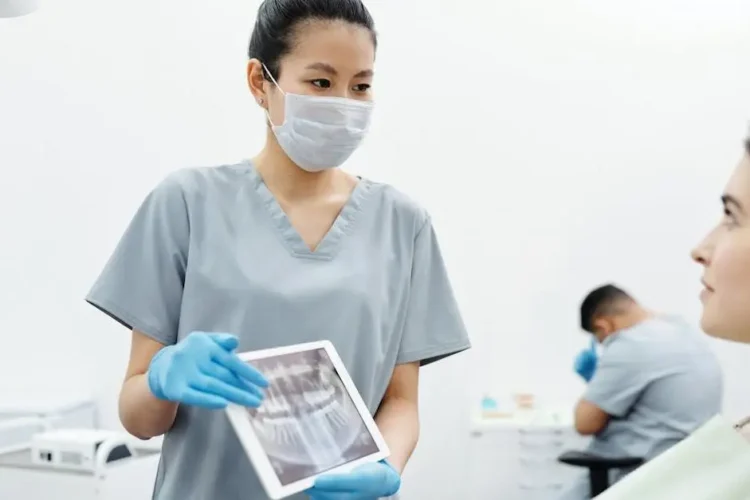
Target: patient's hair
x,y
606,299
747,145
277,22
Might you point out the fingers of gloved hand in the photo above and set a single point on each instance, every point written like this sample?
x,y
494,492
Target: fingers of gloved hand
x,y
368,478
367,482
215,370
318,494
593,345
200,399
589,361
231,362
204,383
585,370
226,341
340,483
585,358
328,495
580,363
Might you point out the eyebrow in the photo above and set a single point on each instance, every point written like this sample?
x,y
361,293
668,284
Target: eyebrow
x,y
327,68
728,199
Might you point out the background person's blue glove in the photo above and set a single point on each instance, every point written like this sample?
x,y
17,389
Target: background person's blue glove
x,y
366,482
202,370
586,361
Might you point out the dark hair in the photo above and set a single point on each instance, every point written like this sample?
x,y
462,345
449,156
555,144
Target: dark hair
x,y
601,301
273,34
747,145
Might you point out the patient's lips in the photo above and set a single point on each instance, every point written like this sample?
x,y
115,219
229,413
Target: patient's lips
x,y
707,290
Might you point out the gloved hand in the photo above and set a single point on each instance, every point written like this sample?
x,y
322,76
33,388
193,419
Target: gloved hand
x,y
586,361
366,482
202,370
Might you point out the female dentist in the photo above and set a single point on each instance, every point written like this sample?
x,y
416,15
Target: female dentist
x,y
281,249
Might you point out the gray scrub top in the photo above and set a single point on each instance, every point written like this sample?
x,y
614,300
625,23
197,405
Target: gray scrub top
x,y
211,250
660,381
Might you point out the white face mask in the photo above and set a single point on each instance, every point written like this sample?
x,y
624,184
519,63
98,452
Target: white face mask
x,y
319,133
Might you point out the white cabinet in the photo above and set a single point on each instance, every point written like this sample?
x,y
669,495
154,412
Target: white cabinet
x,y
519,462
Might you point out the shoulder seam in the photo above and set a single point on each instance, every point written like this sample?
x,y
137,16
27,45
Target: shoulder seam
x,y
427,220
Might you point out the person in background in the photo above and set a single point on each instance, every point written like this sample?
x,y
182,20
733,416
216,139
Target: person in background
x,y
282,249
656,380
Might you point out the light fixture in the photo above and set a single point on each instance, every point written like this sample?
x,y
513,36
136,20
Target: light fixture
x,y
17,8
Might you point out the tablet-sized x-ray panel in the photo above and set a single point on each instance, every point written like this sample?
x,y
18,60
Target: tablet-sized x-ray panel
x,y
307,423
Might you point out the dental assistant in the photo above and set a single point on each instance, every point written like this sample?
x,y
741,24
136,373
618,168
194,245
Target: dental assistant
x,y
281,249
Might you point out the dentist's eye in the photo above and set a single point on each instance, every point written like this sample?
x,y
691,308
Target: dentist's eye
x,y
362,87
321,83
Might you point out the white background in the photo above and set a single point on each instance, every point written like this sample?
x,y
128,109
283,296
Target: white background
x,y
558,145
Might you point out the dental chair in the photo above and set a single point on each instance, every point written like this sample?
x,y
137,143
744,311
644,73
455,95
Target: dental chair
x,y
599,467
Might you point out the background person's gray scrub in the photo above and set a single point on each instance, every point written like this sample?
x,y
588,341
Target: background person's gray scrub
x,y
211,250
660,381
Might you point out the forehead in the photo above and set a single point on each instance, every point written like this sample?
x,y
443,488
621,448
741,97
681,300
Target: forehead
x,y
739,183
343,45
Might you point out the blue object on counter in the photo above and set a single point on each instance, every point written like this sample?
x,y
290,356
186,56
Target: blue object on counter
x,y
489,404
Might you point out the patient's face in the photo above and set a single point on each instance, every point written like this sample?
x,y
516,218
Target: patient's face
x,y
725,255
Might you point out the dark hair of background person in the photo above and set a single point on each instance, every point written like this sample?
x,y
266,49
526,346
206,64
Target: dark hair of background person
x,y
601,301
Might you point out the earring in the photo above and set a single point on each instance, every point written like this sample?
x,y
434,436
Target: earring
x,y
260,101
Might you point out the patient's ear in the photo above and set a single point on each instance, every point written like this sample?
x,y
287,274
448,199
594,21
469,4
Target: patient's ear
x,y
603,327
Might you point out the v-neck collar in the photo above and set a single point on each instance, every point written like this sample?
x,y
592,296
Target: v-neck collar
x,y
329,246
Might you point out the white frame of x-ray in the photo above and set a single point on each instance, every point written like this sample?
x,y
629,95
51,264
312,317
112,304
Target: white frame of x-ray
x,y
252,445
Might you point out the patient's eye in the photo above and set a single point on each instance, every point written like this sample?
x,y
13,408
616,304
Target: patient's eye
x,y
729,218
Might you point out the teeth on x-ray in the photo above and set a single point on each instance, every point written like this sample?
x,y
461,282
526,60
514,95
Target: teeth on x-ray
x,y
278,467
286,430
306,411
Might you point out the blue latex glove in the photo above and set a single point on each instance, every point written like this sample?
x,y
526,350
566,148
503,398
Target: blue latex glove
x,y
586,361
366,482
203,371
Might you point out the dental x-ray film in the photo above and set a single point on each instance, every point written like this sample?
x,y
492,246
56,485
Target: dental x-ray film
x,y
312,420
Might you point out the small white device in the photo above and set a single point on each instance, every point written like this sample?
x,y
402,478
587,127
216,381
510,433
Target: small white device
x,y
312,421
79,449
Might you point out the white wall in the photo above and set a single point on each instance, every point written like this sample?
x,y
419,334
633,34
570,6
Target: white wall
x,y
557,145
